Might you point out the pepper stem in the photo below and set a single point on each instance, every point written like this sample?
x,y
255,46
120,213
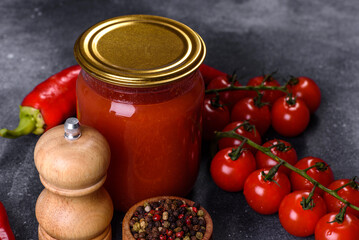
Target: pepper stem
x,y
31,121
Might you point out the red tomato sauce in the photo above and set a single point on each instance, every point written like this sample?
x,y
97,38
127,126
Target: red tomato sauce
x,y
154,135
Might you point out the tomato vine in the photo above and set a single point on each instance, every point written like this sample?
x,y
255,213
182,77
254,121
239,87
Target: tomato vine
x,y
302,172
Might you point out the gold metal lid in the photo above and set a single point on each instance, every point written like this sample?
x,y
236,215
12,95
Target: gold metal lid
x,y
139,50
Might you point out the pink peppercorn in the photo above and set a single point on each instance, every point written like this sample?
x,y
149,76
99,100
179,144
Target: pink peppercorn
x,y
179,234
156,217
188,220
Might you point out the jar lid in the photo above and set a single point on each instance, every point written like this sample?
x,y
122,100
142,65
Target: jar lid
x,y
139,50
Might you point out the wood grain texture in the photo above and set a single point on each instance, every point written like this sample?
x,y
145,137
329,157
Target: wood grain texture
x,y
73,205
66,218
106,235
72,165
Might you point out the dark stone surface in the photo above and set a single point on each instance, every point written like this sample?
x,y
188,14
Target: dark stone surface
x,y
318,39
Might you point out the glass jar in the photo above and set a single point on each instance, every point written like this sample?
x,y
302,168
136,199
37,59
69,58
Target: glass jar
x,y
141,88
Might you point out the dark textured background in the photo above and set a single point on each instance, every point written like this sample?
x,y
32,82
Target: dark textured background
x,y
319,38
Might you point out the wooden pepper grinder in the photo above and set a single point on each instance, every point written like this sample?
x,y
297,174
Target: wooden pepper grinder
x,y
73,167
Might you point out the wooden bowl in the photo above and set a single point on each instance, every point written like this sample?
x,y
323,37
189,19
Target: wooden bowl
x,y
126,232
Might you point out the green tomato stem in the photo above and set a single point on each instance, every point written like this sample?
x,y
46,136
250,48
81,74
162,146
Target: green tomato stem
x,y
270,175
350,183
301,172
236,152
308,203
320,166
339,218
280,146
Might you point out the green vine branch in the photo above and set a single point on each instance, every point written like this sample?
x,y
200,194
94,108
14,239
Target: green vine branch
x,y
248,88
301,172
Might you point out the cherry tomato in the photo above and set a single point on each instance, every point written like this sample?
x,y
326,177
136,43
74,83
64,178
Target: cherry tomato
x,y
257,114
265,196
230,174
228,97
349,193
246,130
296,220
323,175
290,119
306,89
215,117
326,229
269,96
209,73
284,150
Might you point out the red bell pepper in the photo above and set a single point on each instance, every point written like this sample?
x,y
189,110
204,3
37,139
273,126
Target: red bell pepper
x,y
47,105
208,73
5,230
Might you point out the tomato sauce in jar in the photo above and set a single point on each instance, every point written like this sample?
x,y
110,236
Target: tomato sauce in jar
x,y
147,102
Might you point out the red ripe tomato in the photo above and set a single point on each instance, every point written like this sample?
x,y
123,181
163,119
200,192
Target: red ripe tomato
x,y
296,220
209,73
269,96
230,174
228,97
326,229
256,113
306,89
323,175
215,117
265,196
290,119
349,193
284,150
246,130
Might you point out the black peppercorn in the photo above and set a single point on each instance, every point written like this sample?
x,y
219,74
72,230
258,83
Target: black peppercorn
x,y
196,228
195,220
201,222
140,210
171,217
